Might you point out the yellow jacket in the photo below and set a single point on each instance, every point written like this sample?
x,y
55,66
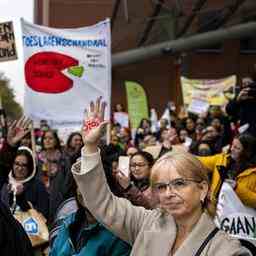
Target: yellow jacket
x,y
245,181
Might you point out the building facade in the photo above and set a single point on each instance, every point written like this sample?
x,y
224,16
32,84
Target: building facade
x,y
160,76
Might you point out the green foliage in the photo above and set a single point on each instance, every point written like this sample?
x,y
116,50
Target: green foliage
x,y
12,108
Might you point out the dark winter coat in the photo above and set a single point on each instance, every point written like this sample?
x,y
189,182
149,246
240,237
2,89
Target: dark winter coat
x,y
34,192
13,239
243,111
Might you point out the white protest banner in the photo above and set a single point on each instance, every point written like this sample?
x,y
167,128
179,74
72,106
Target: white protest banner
x,y
7,42
64,70
233,216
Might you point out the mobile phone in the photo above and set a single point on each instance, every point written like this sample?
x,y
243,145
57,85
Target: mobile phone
x,y
188,142
124,165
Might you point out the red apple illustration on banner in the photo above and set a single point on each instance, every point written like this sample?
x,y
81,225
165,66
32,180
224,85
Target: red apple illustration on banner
x,y
43,72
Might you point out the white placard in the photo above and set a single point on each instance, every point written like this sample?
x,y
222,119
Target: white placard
x,y
233,216
198,106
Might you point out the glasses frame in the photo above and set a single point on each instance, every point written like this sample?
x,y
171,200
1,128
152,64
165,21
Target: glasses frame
x,y
173,184
138,165
21,165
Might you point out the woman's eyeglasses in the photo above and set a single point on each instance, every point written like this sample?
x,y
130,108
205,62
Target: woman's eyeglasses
x,y
22,165
134,165
176,184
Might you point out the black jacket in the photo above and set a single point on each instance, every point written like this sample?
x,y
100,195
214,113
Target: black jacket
x,y
7,155
34,192
13,239
245,112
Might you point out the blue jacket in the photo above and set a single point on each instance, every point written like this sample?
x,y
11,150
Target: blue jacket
x,y
98,241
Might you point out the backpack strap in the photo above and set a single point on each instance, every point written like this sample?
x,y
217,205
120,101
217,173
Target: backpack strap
x,y
206,241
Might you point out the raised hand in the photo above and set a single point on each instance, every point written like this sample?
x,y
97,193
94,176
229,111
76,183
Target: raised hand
x,y
18,130
123,181
94,125
244,94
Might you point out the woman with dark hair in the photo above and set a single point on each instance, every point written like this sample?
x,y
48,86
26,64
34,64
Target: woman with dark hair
x,y
51,159
202,148
53,166
143,130
74,144
136,187
190,126
23,188
79,233
239,166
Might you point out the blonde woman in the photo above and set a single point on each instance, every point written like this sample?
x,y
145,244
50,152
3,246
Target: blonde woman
x,y
180,227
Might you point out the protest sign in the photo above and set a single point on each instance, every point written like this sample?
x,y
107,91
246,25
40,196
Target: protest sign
x,y
137,103
64,70
122,118
214,92
7,42
234,217
198,106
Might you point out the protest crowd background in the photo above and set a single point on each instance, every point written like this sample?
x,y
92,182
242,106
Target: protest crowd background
x,y
224,142
104,160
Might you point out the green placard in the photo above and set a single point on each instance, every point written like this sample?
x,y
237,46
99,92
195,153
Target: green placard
x,y
137,103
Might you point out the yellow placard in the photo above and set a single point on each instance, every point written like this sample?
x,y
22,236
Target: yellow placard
x,y
215,92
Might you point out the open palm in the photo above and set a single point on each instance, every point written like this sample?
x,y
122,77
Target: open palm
x,y
18,130
94,125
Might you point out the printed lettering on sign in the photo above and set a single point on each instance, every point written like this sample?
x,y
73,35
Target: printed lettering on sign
x,y
7,42
240,226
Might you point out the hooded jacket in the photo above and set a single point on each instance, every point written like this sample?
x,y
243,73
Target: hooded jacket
x,y
34,191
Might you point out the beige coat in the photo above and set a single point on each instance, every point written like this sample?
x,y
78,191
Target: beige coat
x,y
151,232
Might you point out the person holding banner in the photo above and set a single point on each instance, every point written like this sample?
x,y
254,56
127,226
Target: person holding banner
x,y
242,107
238,167
181,226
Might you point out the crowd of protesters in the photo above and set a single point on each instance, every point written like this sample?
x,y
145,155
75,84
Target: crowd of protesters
x,y
84,217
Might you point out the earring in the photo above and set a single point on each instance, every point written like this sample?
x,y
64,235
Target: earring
x,y
202,202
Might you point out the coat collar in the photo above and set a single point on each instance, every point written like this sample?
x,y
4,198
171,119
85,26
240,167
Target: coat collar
x,y
246,172
164,236
167,235
197,236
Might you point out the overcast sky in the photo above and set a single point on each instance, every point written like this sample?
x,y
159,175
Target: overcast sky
x,y
13,10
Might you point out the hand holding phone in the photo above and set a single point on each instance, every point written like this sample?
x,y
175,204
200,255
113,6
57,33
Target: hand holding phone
x,y
124,165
